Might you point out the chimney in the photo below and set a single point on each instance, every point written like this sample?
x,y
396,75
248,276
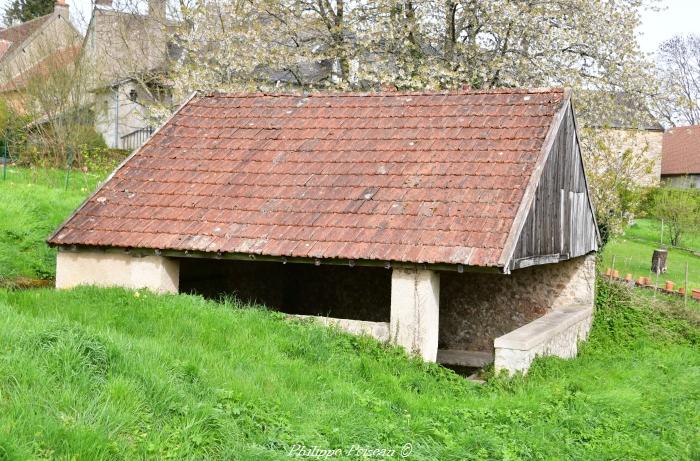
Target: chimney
x,y
107,3
156,9
61,9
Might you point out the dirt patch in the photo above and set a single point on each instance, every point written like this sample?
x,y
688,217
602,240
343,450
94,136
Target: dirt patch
x,y
25,283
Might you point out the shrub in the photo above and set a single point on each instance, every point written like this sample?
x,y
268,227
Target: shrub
x,y
12,133
679,209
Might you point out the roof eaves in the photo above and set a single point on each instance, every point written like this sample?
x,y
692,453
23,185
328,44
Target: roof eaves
x,y
240,256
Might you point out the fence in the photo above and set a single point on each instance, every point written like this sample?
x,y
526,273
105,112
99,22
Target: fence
x,y
679,277
136,138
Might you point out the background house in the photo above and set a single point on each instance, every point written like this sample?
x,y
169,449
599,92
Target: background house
x,y
128,52
631,127
30,48
681,157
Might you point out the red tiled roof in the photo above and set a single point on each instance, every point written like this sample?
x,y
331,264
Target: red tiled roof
x,y
421,178
681,151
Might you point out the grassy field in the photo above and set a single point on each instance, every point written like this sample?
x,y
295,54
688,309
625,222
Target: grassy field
x,y
34,203
112,374
633,253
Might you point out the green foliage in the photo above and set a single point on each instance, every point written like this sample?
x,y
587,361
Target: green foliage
x,y
680,211
34,203
623,322
88,138
614,171
113,374
102,158
5,116
647,202
26,10
84,146
12,132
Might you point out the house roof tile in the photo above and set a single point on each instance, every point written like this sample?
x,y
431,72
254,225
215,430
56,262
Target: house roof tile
x,y
16,35
681,151
405,177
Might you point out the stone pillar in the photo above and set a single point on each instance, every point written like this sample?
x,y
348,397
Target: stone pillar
x,y
157,273
415,301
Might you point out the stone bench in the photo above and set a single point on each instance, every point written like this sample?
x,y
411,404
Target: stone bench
x,y
556,333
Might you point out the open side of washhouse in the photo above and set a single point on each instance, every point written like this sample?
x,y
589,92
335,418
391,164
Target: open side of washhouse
x,y
457,224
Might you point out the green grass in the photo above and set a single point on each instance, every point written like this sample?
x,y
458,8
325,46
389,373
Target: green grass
x,y
649,230
634,249
112,374
34,203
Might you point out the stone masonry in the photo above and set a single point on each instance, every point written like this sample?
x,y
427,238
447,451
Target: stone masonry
x,y
477,308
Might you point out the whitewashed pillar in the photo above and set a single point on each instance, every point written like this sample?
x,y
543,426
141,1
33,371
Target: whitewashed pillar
x,y
415,302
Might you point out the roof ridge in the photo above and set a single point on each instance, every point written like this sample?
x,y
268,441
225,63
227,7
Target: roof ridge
x,y
16,26
692,127
448,92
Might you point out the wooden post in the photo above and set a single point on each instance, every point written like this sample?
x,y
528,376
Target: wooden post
x,y
656,284
685,294
612,271
4,160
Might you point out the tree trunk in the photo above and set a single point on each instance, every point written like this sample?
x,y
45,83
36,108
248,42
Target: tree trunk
x,y
658,261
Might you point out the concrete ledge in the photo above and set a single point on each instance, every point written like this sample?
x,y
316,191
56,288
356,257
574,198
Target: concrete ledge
x,y
378,330
556,333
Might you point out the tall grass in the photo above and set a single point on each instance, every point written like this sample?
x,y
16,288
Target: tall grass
x,y
112,374
33,202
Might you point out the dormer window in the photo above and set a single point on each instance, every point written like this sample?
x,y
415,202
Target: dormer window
x,y
133,95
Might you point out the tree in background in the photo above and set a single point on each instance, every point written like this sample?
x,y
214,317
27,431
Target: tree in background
x,y
680,211
57,98
51,99
13,135
678,62
417,44
26,10
614,189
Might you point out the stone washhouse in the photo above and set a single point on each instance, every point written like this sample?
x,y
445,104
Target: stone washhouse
x,y
456,224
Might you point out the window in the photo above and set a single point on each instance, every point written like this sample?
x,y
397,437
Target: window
x,y
133,95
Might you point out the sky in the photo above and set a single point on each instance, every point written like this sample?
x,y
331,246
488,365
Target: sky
x,y
676,16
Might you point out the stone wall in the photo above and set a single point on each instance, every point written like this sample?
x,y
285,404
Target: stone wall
x,y
477,308
642,143
56,34
359,293
682,181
